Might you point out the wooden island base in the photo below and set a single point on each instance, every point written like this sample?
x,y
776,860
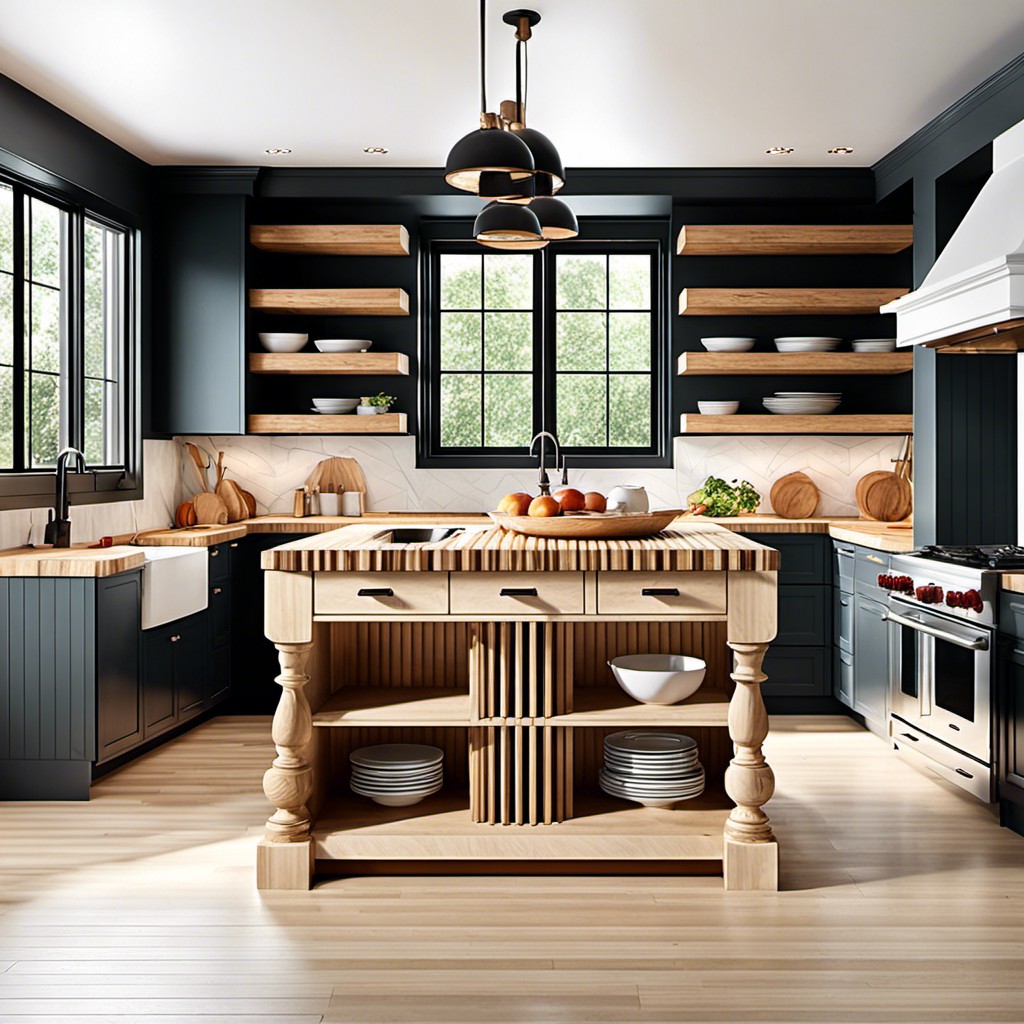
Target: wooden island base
x,y
505,670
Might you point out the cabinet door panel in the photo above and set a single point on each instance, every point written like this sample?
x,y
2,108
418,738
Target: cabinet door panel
x,y
218,676
190,663
797,672
118,695
844,618
158,701
804,616
804,557
844,678
219,613
871,660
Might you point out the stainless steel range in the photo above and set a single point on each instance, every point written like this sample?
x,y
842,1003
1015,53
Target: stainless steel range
x,y
942,622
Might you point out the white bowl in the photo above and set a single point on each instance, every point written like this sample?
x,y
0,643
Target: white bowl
x,y
658,678
399,800
339,405
717,408
283,342
342,345
807,344
728,344
874,345
366,410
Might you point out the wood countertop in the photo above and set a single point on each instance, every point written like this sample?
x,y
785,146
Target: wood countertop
x,y
687,546
894,538
1013,581
73,561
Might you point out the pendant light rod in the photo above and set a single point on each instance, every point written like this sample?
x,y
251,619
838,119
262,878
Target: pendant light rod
x,y
483,57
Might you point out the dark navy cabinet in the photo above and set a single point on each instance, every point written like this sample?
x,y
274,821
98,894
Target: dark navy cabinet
x,y
119,719
1009,728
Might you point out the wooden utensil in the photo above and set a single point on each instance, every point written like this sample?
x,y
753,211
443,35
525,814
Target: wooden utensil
x,y
589,527
794,496
231,494
888,499
337,474
197,459
210,509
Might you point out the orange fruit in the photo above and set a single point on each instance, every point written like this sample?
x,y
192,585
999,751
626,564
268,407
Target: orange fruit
x,y
594,501
544,506
515,504
570,500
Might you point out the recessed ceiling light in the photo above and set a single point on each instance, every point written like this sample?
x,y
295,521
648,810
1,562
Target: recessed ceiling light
x,y
375,150
841,150
779,150
277,151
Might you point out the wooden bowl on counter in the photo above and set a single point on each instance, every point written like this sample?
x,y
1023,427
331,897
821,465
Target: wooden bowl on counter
x,y
589,525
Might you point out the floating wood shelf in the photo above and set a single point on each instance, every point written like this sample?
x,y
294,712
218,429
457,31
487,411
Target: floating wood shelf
x,y
692,423
314,423
748,364
792,239
784,301
441,827
398,706
332,239
331,301
381,364
598,706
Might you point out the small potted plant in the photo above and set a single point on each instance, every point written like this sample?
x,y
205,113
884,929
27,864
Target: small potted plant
x,y
377,405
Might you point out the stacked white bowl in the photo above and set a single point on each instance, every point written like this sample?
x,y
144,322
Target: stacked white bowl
x,y
874,345
656,769
807,343
342,344
397,774
728,344
803,403
335,406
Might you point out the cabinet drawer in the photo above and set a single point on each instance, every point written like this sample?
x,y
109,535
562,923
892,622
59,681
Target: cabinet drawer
x,y
380,593
661,593
1011,613
517,593
220,562
220,613
844,620
804,616
845,559
797,672
844,679
869,565
803,557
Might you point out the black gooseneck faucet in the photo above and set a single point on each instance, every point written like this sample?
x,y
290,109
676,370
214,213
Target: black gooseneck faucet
x,y
58,530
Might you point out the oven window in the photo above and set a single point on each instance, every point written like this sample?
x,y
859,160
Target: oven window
x,y
908,662
954,679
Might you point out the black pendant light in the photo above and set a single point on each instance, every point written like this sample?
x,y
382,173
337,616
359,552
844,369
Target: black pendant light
x,y
488,150
556,218
507,225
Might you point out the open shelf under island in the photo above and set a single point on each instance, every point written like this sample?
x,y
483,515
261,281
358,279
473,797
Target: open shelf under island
x,y
493,647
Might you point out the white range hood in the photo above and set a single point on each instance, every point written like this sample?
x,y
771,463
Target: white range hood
x,y
976,286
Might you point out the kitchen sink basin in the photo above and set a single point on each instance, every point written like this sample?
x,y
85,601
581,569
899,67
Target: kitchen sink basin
x,y
421,534
174,583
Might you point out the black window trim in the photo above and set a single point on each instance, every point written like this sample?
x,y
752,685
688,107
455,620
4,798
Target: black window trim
x,y
34,488
596,234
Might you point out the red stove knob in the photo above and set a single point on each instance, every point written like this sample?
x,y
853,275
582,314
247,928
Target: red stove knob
x,y
972,600
929,594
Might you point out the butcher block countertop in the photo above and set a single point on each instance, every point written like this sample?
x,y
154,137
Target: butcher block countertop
x,y
364,548
1013,581
74,561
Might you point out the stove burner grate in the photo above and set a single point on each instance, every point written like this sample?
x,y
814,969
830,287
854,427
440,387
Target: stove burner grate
x,y
979,556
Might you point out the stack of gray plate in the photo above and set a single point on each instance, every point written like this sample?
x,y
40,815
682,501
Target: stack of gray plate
x,y
656,769
397,774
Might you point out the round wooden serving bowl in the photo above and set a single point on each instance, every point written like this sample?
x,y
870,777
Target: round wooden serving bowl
x,y
589,525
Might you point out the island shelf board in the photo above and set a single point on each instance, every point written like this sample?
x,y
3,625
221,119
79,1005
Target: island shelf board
x,y
314,423
331,301
783,364
366,364
784,301
792,239
397,706
600,706
332,239
897,423
440,828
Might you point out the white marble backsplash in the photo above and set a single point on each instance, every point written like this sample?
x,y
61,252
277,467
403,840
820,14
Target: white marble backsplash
x,y
273,467
90,522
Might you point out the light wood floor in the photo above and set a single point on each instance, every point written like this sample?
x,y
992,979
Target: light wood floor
x,y
904,902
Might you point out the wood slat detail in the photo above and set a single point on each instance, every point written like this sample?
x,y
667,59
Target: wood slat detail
x,y
792,239
739,364
331,301
696,546
332,239
896,423
381,364
314,423
784,301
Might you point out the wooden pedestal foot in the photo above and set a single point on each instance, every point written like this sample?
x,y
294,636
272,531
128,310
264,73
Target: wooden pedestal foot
x,y
751,866
284,865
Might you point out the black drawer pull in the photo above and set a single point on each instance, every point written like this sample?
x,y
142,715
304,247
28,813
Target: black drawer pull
x,y
375,592
660,592
517,592
966,775
907,736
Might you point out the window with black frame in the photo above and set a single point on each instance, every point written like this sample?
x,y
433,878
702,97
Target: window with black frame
x,y
567,339
64,335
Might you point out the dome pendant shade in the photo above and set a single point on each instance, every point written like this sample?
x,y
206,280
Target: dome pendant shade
x,y
556,218
546,161
501,186
528,246
506,222
487,150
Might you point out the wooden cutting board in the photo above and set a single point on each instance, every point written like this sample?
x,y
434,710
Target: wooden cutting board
x,y
794,496
338,474
888,499
210,509
862,488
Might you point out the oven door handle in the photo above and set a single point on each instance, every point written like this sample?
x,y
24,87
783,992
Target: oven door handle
x,y
978,644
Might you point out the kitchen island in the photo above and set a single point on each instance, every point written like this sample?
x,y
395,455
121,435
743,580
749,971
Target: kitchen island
x,y
493,647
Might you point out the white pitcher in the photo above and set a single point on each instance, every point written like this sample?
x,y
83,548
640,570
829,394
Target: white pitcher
x,y
627,498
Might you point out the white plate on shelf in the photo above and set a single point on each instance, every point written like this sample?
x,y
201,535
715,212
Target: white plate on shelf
x,y
343,344
874,345
404,755
809,343
728,344
656,743
397,799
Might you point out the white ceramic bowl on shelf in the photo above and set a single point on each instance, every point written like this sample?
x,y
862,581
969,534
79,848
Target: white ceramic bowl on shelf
x,y
807,344
717,408
658,678
335,406
277,342
728,344
342,345
874,345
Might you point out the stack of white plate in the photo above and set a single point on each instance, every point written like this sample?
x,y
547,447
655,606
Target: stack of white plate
x,y
335,406
874,345
397,774
728,344
656,769
807,344
342,344
803,403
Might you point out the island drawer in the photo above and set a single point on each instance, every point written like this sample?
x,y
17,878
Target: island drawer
x,y
661,593
380,593
517,593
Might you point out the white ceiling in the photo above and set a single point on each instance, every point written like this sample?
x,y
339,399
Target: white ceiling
x,y
652,83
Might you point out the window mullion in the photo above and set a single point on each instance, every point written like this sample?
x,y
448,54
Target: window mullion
x,y
19,288
73,378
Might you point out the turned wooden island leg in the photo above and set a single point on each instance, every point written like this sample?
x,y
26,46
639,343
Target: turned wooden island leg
x,y
284,857
751,854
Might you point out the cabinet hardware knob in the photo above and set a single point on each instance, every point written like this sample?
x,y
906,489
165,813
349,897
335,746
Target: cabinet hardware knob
x,y
660,592
375,592
175,638
217,590
517,592
875,558
214,552
233,544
